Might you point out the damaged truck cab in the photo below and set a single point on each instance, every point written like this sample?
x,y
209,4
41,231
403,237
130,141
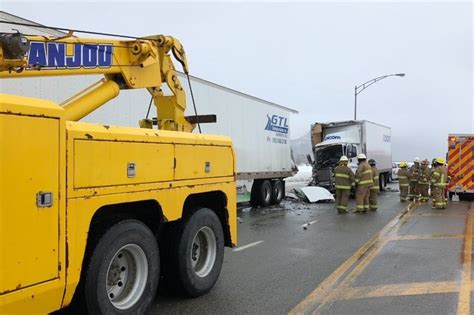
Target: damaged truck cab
x,y
332,140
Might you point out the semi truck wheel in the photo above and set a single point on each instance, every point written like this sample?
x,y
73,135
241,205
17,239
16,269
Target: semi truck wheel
x,y
278,192
123,271
261,194
199,253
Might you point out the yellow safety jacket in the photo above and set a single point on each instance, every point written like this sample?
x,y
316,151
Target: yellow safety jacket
x,y
375,176
344,177
424,176
403,180
363,176
440,177
413,173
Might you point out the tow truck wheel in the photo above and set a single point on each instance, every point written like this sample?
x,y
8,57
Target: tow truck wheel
x,y
123,272
200,253
278,192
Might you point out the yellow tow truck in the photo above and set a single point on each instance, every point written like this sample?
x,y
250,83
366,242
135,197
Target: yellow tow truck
x,y
100,214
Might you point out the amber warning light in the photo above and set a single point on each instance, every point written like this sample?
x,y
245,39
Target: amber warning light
x,y
452,142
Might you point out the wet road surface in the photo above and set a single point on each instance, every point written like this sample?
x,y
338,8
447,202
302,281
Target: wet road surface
x,y
420,263
278,264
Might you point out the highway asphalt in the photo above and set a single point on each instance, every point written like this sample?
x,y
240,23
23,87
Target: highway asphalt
x,y
279,262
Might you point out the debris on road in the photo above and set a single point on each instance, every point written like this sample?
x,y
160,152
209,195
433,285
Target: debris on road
x,y
291,196
313,194
306,225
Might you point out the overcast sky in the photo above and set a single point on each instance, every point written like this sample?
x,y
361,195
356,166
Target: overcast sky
x,y
309,56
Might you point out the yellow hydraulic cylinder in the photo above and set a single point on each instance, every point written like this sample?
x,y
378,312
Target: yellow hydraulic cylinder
x,y
81,105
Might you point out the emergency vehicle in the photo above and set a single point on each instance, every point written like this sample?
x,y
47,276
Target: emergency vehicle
x,y
460,160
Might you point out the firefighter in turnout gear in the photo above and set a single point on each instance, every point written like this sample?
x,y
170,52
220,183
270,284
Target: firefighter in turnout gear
x,y
344,183
439,181
364,181
403,181
424,182
433,167
374,190
413,177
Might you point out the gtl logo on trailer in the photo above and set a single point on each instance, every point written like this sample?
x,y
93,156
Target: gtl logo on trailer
x,y
56,55
277,124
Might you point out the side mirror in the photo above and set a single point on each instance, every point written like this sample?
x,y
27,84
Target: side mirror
x,y
310,160
352,152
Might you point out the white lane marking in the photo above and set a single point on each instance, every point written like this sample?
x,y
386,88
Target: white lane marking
x,y
309,223
238,249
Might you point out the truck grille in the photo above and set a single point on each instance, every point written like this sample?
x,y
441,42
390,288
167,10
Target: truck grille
x,y
324,175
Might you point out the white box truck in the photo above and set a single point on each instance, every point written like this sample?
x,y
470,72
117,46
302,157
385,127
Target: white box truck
x,y
260,130
332,140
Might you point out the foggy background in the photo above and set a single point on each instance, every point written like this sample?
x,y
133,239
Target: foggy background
x,y
309,56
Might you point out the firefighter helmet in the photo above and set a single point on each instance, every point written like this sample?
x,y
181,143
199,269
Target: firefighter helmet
x,y
403,164
440,160
372,162
344,159
361,156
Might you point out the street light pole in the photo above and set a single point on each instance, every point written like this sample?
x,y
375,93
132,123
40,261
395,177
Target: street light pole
x,y
363,86
355,102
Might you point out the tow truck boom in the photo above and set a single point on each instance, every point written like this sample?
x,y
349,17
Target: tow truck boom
x,y
126,64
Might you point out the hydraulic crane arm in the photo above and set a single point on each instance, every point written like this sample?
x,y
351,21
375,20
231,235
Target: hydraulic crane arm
x,y
126,64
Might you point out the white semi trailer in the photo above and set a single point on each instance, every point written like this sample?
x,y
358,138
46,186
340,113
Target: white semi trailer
x,y
260,131
332,140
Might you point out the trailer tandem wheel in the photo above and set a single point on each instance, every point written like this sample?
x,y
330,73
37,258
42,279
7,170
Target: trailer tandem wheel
x,y
261,194
278,191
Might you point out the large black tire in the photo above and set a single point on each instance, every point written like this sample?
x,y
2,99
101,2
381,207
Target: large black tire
x,y
190,270
261,194
278,191
117,263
